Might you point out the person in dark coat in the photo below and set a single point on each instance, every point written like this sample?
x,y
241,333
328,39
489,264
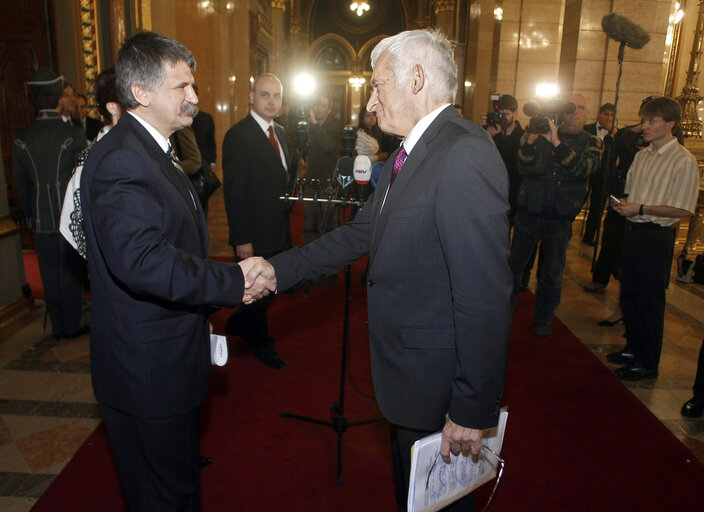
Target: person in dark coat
x,y
151,280
45,153
255,166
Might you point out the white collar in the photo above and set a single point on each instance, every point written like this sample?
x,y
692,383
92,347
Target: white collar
x,y
159,138
263,123
664,148
417,131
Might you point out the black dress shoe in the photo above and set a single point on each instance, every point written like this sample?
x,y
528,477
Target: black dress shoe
x,y
621,357
636,372
269,357
204,462
610,323
594,287
693,408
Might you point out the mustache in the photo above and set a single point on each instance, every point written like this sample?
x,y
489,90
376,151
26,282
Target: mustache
x,y
188,109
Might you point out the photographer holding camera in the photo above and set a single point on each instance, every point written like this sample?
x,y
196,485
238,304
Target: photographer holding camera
x,y
554,165
506,131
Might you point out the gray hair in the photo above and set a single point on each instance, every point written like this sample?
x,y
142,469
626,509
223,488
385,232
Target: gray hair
x,y
142,60
428,48
270,75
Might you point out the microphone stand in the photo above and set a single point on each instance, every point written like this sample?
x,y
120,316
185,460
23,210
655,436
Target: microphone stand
x,y
607,159
338,422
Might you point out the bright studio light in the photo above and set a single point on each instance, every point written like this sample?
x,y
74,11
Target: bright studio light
x,y
304,85
547,90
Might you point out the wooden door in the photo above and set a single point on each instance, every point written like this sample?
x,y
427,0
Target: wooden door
x,y
23,38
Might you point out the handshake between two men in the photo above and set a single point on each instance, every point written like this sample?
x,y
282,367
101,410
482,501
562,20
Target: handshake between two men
x,y
259,279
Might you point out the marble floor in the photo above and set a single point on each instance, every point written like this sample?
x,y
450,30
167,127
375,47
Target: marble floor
x,y
47,407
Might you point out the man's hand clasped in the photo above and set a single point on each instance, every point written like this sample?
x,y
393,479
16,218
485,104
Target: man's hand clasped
x,y
458,439
259,279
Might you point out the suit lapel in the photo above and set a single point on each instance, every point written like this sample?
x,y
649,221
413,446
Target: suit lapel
x,y
410,167
176,177
395,193
281,134
262,140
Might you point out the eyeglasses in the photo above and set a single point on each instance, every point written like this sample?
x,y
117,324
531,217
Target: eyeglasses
x,y
500,472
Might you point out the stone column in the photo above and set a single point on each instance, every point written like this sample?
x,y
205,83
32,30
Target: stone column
x,y
690,98
278,36
445,17
478,59
117,26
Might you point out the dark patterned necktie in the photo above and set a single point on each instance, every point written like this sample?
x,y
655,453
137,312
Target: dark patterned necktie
x,y
174,158
186,182
398,163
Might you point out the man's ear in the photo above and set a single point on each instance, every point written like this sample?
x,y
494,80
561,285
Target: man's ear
x,y
418,78
141,94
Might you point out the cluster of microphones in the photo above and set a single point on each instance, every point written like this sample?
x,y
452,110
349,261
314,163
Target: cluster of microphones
x,y
352,183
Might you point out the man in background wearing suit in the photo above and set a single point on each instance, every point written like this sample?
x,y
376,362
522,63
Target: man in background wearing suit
x,y
89,124
438,282
597,201
151,281
255,163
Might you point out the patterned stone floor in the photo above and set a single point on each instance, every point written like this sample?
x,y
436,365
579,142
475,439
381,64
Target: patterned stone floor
x,y
47,407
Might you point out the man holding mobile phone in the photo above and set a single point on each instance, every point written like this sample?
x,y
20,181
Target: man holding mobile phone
x,y
662,188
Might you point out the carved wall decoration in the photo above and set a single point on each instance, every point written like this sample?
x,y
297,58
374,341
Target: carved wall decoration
x,y
89,52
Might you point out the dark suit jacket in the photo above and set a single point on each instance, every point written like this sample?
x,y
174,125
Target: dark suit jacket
x,y
93,126
150,279
253,180
44,155
438,281
204,130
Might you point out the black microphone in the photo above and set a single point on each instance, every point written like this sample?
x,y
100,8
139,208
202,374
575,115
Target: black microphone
x,y
302,137
345,172
625,31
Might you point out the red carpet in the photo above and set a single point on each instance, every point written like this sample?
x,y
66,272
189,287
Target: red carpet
x,y
576,440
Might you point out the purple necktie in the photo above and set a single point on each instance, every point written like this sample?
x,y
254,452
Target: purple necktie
x,y
398,163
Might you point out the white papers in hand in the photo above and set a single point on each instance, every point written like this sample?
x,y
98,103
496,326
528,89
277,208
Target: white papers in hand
x,y
434,484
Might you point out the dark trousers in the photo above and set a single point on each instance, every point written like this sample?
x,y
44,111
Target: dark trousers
x,y
553,234
596,205
318,219
63,273
647,258
610,255
402,440
699,379
157,459
250,320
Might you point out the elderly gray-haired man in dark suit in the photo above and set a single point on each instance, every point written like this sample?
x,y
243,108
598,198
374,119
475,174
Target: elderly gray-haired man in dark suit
x,y
436,229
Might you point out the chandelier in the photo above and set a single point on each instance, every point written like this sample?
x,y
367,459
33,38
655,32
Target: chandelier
x,y
361,7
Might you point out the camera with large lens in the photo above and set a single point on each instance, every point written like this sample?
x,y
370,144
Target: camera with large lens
x,y
349,136
540,112
496,119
